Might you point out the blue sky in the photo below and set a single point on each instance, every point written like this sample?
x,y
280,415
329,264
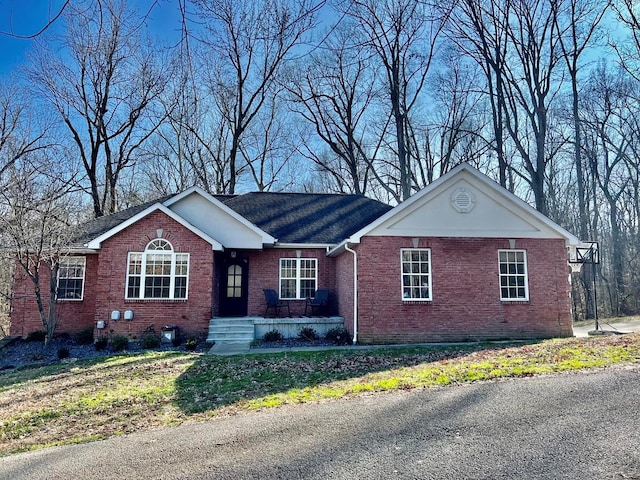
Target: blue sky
x,y
26,17
21,17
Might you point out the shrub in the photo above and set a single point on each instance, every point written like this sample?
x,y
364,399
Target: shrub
x,y
37,336
176,341
273,336
149,341
338,336
100,343
63,352
191,344
84,337
308,334
119,342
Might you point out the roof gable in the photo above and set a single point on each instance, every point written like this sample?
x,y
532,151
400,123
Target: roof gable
x,y
216,219
465,203
96,243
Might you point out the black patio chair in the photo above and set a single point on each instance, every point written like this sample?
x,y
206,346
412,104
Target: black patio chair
x,y
318,303
274,302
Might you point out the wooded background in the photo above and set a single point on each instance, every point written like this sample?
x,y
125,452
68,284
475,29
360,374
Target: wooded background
x,y
375,97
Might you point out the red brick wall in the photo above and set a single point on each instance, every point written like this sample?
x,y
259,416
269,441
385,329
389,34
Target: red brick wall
x,y
104,289
72,316
264,272
466,299
191,316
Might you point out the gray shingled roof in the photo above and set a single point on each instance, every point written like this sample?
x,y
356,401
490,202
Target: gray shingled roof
x,y
289,217
94,228
307,217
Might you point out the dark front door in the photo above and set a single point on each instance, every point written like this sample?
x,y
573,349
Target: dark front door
x,y
233,297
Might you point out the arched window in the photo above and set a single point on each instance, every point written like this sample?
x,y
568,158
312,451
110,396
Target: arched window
x,y
158,272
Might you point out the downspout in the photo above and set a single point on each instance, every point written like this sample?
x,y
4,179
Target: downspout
x,y
355,292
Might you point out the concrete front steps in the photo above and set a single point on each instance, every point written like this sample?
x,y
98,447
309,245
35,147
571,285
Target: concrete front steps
x,y
237,333
234,333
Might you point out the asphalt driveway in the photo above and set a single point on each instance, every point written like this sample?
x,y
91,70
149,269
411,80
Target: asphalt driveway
x,y
580,425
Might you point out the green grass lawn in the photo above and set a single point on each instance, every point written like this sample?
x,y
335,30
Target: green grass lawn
x,y
84,401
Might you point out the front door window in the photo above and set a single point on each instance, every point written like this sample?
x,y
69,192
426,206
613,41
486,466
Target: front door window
x,y
234,281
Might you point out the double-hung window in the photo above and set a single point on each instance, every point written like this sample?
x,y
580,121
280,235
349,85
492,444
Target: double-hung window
x,y
513,275
298,278
71,278
416,273
157,273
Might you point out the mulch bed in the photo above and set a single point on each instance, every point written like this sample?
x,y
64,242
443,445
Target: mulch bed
x,y
20,353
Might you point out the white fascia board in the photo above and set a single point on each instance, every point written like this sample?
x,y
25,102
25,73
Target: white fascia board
x,y
304,245
570,239
97,242
266,238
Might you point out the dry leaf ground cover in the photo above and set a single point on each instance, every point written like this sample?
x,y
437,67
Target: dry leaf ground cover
x,y
98,398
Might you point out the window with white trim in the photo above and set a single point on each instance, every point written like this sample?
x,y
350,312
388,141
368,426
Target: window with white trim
x,y
298,278
416,273
71,272
514,284
157,273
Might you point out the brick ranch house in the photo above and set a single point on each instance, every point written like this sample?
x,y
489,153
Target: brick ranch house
x,y
463,259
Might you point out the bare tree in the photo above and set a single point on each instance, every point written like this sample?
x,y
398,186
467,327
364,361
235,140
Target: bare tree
x,y
532,82
268,147
333,92
23,134
609,142
479,28
576,22
402,35
104,86
456,125
247,44
189,147
17,138
34,223
628,50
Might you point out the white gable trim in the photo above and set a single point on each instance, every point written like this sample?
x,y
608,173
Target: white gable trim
x,y
266,238
521,207
97,242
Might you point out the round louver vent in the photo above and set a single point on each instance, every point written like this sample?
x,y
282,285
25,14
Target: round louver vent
x,y
463,200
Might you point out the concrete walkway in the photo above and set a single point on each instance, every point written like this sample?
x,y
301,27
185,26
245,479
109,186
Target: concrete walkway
x,y
625,326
